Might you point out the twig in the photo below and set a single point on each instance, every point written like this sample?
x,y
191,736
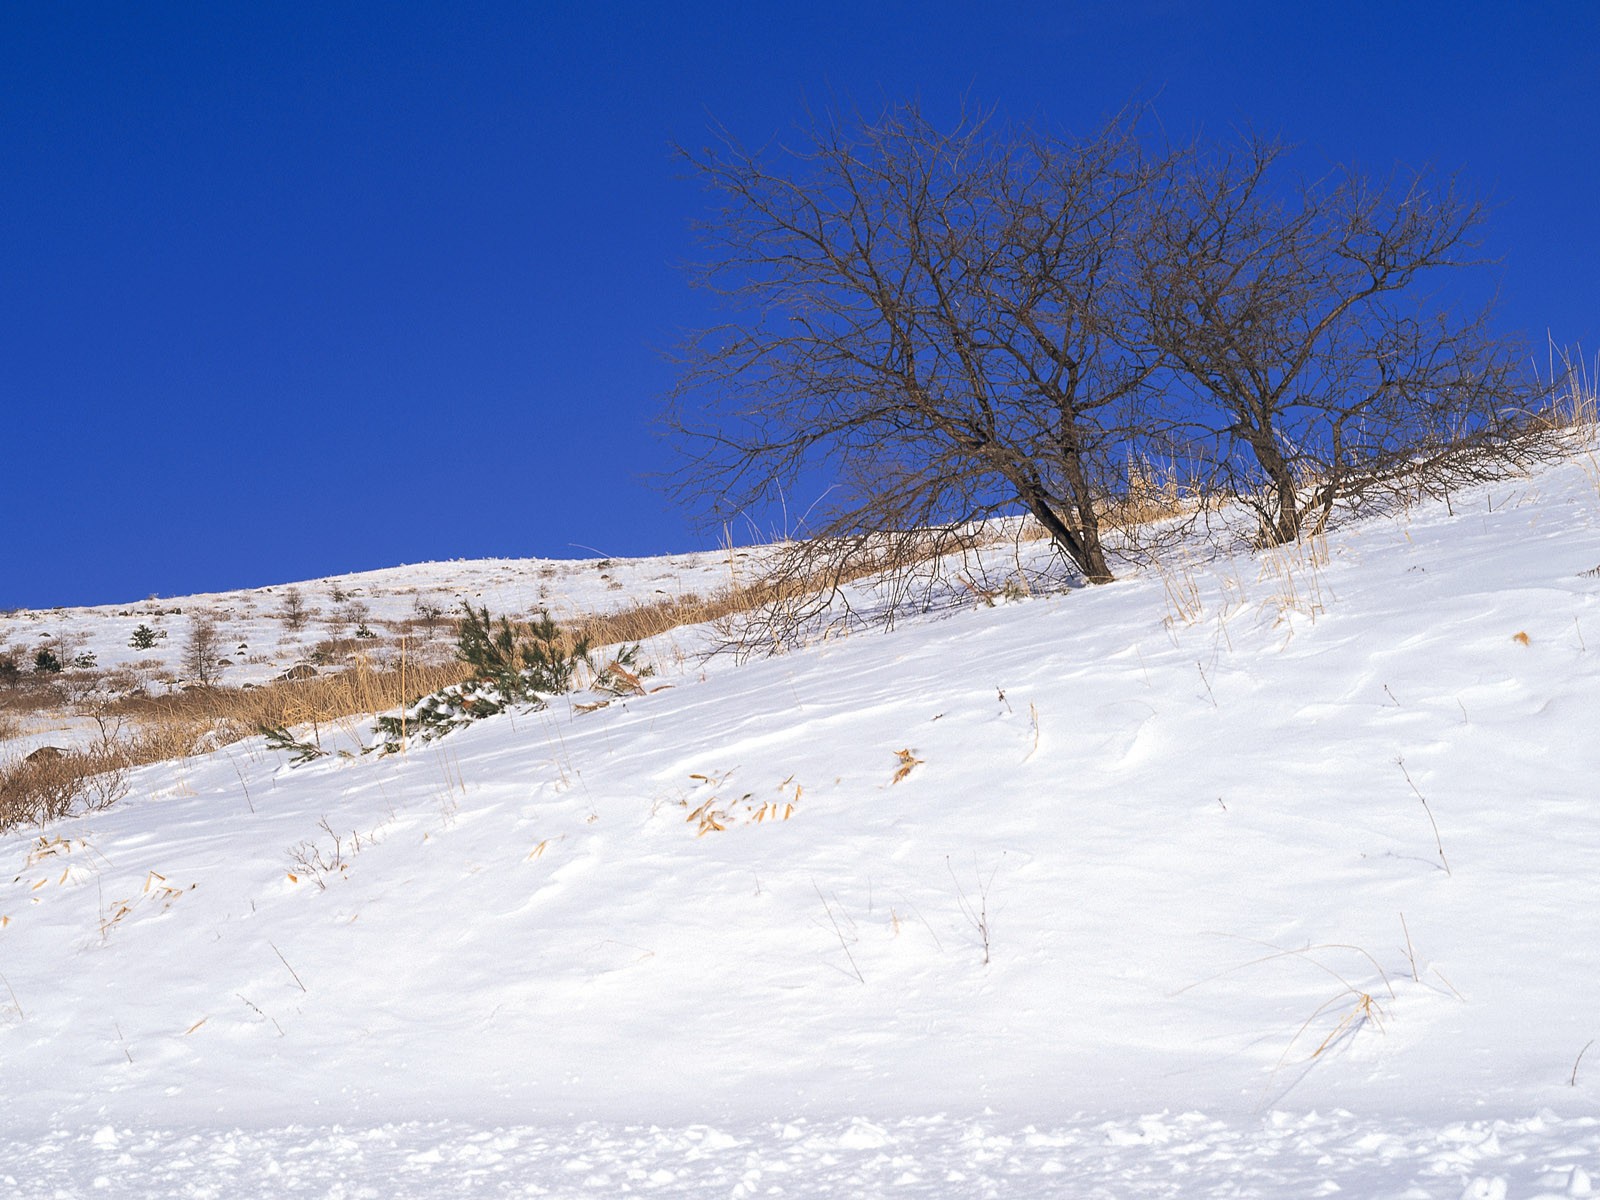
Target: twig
x,y
1307,952
1411,954
1207,682
292,971
1437,840
242,783
1453,991
259,1013
117,1025
1033,712
839,933
21,1016
1573,1082
979,919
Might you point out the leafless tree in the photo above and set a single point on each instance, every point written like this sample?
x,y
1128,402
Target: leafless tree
x,y
202,651
1310,369
293,612
937,327
938,322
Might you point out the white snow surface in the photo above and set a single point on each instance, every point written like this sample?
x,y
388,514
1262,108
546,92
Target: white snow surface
x,y
1271,875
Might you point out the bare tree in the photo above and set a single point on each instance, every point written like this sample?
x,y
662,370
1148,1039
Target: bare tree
x,y
936,327
293,612
202,651
936,322
1312,370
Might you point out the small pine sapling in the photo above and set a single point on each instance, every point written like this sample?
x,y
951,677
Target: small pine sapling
x,y
511,665
543,663
279,738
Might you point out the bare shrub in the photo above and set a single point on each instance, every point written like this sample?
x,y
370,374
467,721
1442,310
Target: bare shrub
x,y
429,615
46,788
33,692
351,613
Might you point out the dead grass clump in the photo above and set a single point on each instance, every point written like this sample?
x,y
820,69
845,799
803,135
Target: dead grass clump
x,y
31,693
335,649
1151,495
44,788
175,725
640,622
799,594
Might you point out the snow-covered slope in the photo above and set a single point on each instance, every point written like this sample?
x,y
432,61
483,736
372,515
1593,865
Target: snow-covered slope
x,y
1299,851
252,632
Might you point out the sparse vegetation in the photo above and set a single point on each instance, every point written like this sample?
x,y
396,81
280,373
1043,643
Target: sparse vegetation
x,y
293,611
351,614
526,660
43,787
428,615
508,665
202,651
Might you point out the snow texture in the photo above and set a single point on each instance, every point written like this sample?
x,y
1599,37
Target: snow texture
x,y
1247,875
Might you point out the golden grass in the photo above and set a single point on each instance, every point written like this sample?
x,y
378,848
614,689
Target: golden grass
x,y
180,721
137,730
47,787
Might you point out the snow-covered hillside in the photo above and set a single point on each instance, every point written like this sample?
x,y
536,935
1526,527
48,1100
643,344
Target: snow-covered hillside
x,y
251,628
1272,875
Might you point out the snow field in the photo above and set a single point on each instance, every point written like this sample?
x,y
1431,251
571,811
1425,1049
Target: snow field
x,y
1303,844
1282,1154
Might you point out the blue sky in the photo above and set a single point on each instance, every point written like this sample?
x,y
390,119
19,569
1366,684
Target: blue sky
x,y
295,290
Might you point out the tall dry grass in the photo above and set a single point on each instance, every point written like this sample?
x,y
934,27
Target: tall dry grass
x,y
200,719
137,730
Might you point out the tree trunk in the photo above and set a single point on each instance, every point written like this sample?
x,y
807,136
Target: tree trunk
x,y
1084,549
1285,525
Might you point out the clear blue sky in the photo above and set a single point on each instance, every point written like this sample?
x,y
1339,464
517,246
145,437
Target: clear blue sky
x,y
289,290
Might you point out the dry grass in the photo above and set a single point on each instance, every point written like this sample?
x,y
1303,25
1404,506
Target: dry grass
x,y
1295,570
137,730
45,788
200,719
640,622
33,694
1575,392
